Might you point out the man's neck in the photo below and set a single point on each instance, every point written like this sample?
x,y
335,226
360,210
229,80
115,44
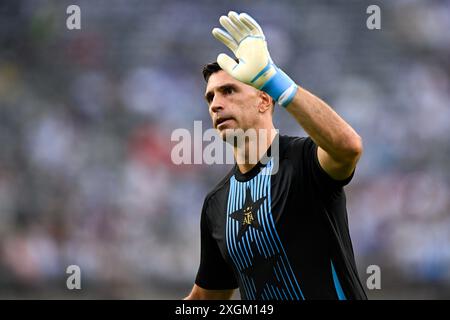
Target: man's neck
x,y
248,154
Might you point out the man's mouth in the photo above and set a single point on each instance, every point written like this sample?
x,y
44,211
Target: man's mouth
x,y
220,121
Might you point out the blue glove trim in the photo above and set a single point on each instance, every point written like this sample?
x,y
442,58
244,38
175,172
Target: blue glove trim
x,y
278,84
261,72
250,36
291,91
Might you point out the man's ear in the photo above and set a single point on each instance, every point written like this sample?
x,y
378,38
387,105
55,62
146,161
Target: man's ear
x,y
265,102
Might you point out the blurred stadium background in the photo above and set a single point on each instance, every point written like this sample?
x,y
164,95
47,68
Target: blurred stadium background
x,y
86,118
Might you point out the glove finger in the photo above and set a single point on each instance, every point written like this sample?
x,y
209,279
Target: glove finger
x,y
231,28
234,17
251,24
226,63
225,38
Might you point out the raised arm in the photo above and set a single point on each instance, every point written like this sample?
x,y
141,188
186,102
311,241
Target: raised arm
x,y
339,146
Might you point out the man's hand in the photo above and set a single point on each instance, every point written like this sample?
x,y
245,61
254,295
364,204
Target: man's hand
x,y
199,293
246,39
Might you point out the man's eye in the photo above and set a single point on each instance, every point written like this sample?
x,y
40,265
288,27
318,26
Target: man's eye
x,y
228,90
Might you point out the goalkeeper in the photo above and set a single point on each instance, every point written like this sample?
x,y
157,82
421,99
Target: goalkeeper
x,y
275,235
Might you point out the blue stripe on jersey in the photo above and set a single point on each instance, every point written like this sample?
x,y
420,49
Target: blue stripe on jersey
x,y
337,284
266,241
237,263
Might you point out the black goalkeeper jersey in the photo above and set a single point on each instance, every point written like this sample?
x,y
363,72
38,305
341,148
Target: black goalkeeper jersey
x,y
279,236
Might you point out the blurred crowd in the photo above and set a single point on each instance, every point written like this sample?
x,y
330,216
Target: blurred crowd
x,y
86,117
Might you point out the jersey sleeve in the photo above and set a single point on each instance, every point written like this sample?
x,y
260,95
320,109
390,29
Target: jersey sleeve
x,y
304,152
214,273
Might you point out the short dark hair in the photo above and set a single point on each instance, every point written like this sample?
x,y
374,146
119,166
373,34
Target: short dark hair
x,y
211,68
214,67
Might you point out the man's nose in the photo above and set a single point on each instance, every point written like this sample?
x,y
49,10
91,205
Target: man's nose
x,y
217,104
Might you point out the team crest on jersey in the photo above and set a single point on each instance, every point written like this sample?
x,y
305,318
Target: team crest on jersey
x,y
247,215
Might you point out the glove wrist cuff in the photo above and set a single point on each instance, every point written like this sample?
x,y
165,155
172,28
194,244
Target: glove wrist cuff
x,y
281,88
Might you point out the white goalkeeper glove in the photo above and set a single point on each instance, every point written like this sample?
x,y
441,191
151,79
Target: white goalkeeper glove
x,y
246,39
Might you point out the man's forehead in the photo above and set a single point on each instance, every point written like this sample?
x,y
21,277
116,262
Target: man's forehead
x,y
218,79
